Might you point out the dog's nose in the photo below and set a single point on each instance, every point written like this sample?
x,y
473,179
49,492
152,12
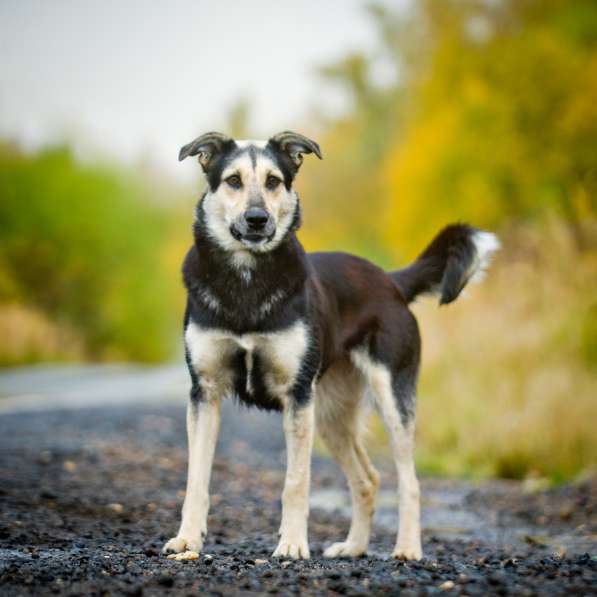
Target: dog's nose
x,y
256,218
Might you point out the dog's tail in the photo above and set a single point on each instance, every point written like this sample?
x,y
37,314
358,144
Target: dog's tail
x,y
458,255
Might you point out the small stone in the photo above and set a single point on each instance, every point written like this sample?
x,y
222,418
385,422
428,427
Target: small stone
x,y
117,508
536,540
496,578
45,457
446,586
338,587
69,466
166,580
259,562
560,552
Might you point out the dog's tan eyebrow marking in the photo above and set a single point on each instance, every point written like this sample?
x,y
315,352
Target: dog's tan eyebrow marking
x,y
275,173
235,167
239,165
231,172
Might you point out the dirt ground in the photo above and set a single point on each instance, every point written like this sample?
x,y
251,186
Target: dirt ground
x,y
88,497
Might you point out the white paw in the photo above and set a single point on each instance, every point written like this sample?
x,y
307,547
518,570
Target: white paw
x,y
292,549
181,544
408,552
184,556
344,549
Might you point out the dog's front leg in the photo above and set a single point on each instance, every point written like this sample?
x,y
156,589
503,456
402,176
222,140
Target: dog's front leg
x,y
203,424
298,430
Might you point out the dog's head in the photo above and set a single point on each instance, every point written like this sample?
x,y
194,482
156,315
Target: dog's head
x,y
250,203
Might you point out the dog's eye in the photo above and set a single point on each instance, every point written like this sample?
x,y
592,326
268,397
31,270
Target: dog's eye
x,y
234,181
272,182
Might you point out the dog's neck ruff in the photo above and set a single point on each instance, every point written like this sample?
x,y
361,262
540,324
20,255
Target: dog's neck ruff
x,y
242,291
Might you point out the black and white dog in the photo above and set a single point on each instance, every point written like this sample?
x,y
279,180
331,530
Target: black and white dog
x,y
311,335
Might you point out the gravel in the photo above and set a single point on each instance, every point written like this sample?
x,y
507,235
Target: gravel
x,y
88,497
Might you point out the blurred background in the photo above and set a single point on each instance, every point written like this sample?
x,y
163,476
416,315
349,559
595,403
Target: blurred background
x,y
427,112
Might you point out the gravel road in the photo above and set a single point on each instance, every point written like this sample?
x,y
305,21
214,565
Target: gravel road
x,y
88,496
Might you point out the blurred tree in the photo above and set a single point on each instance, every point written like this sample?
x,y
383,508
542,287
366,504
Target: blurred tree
x,y
83,245
492,118
239,117
504,118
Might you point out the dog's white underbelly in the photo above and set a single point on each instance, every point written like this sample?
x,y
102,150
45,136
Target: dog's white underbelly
x,y
281,354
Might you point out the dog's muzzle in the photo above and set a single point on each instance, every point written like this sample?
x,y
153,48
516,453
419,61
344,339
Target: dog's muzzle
x,y
255,227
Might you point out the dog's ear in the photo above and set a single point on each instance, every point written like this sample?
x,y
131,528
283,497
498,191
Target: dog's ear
x,y
294,146
206,147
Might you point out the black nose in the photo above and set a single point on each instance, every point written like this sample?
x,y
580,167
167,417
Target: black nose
x,y
256,217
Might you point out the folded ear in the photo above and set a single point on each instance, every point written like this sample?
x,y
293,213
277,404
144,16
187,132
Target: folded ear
x,y
295,145
206,147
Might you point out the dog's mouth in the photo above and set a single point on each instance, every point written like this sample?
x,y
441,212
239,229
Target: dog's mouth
x,y
251,239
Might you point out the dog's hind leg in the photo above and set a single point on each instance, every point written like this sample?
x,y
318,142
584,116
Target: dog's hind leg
x,y
203,423
366,463
340,426
408,545
394,397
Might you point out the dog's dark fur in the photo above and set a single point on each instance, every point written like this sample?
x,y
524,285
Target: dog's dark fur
x,y
348,300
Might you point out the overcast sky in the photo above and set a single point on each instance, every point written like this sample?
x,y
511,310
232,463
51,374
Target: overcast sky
x,y
142,77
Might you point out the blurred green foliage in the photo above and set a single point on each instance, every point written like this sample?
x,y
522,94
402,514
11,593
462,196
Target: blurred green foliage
x,y
83,245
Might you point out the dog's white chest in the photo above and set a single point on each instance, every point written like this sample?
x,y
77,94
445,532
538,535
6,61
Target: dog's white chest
x,y
280,354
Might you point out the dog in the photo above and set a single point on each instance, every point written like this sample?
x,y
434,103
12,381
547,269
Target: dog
x,y
313,335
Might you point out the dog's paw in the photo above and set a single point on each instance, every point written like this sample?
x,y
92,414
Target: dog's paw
x,y
408,552
181,544
345,549
292,549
